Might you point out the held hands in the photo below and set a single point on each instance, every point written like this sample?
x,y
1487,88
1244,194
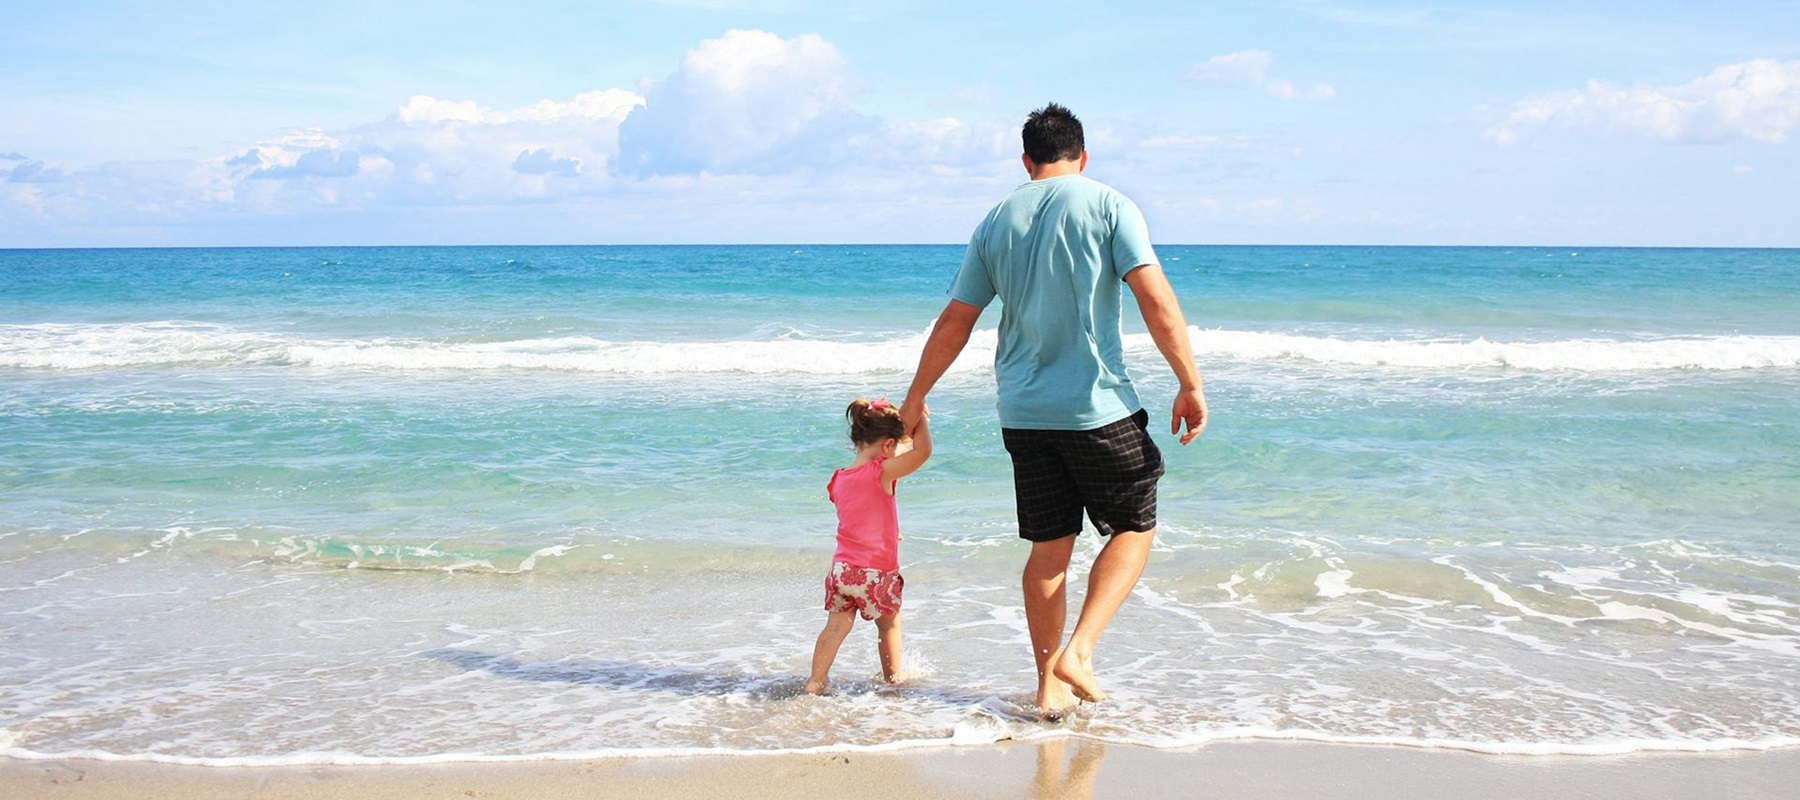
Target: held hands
x,y
913,415
918,436
1190,407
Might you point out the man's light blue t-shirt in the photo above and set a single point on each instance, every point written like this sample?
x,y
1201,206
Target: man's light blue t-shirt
x,y
1056,252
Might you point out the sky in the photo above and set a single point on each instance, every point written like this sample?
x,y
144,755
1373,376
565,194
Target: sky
x,y
201,123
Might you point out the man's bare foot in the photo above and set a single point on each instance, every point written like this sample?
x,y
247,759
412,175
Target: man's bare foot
x,y
1054,700
1078,672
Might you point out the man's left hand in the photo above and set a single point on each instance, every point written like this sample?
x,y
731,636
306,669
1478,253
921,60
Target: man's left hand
x,y
1190,407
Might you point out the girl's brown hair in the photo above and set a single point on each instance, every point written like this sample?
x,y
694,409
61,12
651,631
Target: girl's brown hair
x,y
873,420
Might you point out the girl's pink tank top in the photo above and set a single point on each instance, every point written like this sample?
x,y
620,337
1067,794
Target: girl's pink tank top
x,y
868,518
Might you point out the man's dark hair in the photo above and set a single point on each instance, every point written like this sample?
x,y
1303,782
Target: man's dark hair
x,y
1052,134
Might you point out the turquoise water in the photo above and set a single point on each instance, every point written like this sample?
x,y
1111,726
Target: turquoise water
x,y
342,504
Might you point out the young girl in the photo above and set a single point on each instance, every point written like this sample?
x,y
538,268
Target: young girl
x,y
865,573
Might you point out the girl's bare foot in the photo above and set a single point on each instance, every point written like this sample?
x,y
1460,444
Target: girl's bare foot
x,y
813,687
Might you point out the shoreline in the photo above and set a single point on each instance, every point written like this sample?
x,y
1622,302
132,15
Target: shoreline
x,y
1069,767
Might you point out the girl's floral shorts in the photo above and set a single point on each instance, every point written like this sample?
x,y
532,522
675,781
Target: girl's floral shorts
x,y
870,592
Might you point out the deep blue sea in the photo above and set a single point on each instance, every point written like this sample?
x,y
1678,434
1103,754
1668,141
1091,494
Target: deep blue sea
x,y
413,504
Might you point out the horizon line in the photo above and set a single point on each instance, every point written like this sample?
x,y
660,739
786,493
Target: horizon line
x,y
1556,246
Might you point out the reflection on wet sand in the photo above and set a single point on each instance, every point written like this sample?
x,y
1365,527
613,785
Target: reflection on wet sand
x,y
1074,780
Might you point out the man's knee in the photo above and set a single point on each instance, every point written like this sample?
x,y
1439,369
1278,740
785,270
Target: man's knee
x,y
1053,552
1134,541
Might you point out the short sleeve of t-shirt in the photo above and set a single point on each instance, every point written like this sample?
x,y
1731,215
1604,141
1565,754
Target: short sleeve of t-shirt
x,y
1131,238
973,284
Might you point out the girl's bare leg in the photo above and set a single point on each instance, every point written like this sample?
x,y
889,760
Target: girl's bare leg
x,y
837,626
889,627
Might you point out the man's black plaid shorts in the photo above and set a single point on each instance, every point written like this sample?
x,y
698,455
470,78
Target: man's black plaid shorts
x,y
1110,472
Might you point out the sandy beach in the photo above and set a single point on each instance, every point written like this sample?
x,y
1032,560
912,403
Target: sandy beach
x,y
1056,768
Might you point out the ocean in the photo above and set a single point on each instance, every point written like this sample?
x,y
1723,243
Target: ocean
x,y
346,505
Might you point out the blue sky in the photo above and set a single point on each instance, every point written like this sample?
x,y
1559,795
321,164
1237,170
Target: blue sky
x,y
690,121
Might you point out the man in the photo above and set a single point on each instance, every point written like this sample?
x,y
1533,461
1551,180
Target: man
x,y
1055,252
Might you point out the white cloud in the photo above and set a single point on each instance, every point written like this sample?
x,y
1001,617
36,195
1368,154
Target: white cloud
x,y
1757,100
764,119
1244,66
315,164
1193,142
747,102
431,152
606,104
1318,92
32,171
1251,67
946,144
300,154
545,162
752,137
440,152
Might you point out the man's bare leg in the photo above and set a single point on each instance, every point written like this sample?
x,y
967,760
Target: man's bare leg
x,y
1115,574
1045,582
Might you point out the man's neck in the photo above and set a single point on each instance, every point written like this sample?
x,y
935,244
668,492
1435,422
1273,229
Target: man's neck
x,y
1056,169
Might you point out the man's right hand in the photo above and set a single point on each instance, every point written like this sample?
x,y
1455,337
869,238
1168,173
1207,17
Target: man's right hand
x,y
911,413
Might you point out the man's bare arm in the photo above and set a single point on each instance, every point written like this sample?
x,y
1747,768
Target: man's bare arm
x,y
948,337
1168,328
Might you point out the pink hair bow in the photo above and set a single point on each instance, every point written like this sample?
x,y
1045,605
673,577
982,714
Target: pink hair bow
x,y
877,405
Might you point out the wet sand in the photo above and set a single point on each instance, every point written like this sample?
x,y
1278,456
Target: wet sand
x,y
1055,768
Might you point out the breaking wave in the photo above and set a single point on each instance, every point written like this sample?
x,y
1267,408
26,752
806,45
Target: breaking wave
x,y
191,344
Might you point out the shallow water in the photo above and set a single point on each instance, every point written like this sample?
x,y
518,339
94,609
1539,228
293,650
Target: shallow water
x,y
426,503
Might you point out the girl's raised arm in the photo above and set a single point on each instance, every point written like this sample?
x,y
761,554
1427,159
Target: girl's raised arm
x,y
911,460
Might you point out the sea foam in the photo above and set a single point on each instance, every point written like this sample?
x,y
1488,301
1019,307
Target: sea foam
x,y
189,344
